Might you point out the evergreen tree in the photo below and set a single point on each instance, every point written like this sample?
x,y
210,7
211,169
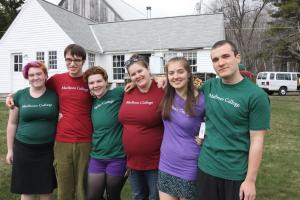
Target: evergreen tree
x,y
285,33
8,11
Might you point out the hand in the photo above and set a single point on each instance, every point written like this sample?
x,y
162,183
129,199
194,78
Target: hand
x,y
247,190
9,101
127,173
9,157
129,86
198,140
161,81
60,115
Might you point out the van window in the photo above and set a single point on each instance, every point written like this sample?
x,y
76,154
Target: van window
x,y
264,76
272,75
294,77
280,76
259,76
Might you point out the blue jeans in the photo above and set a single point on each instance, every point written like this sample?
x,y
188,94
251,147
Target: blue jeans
x,y
144,184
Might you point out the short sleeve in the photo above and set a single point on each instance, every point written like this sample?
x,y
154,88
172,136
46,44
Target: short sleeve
x,y
259,115
119,91
51,83
17,98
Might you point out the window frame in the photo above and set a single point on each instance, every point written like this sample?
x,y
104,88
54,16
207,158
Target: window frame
x,y
18,64
91,59
118,70
40,56
52,60
191,56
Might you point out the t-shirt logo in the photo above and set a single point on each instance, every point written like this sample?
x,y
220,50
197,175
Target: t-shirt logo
x,y
80,88
224,99
36,105
103,103
149,103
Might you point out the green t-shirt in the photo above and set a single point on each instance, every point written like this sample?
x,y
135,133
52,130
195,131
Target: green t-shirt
x,y
37,117
231,112
107,133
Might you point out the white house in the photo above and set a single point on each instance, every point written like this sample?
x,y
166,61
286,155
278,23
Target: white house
x,y
42,30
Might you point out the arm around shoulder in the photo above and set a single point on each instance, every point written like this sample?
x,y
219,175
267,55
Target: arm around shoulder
x,y
9,101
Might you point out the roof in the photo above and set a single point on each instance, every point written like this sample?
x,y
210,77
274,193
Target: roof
x,y
181,32
75,26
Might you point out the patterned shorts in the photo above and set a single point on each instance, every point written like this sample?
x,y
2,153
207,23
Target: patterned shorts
x,y
176,186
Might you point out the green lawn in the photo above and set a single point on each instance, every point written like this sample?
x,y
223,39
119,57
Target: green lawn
x,y
279,176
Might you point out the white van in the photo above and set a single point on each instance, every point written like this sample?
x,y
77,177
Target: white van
x,y
281,82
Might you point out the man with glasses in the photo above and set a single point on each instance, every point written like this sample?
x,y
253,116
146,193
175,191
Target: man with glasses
x,y
74,128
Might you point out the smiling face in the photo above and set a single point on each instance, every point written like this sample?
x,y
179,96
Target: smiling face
x,y
74,64
36,77
226,63
178,76
140,75
97,85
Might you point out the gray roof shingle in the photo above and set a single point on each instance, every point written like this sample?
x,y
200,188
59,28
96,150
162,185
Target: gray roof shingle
x,y
181,32
194,31
75,26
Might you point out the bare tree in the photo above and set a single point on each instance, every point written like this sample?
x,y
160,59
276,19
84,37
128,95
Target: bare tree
x,y
245,24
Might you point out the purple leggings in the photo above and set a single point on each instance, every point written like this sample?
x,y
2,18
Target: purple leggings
x,y
113,167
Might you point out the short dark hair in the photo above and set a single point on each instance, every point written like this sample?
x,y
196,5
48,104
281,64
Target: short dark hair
x,y
76,50
223,42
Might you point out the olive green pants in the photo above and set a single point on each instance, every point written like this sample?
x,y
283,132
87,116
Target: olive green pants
x,y
70,162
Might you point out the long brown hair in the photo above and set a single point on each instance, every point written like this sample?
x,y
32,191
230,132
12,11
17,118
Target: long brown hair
x,y
170,91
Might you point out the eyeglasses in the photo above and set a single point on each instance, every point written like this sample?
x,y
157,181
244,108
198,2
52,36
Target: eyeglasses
x,y
76,61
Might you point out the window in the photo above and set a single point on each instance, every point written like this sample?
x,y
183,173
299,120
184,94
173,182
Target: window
x,y
294,77
94,10
281,76
169,55
76,6
192,58
52,60
118,67
272,75
259,76
264,76
18,62
40,56
91,59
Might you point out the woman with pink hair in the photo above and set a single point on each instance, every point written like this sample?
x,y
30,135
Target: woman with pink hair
x,y
30,136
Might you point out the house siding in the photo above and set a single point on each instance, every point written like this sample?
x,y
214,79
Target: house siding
x,y
204,64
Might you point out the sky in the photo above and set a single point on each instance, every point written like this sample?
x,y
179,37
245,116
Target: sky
x,y
162,8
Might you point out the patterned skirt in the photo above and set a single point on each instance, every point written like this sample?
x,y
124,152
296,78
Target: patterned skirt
x,y
176,186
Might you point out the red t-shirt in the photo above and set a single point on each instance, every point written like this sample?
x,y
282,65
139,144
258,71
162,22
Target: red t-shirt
x,y
75,106
142,127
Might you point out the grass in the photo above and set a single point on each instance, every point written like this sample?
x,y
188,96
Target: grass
x,y
279,176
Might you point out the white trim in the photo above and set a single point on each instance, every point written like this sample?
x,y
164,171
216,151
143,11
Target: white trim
x,y
95,37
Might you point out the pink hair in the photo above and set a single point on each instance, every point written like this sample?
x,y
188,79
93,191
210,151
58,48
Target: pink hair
x,y
35,64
